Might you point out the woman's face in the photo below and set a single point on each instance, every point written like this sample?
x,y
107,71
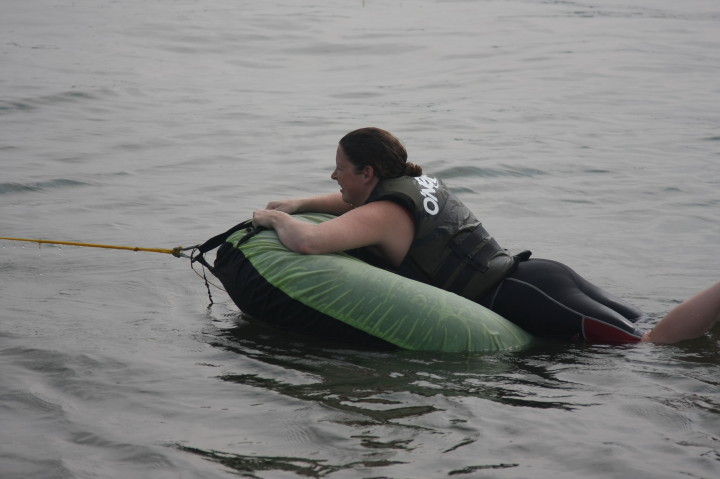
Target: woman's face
x,y
355,187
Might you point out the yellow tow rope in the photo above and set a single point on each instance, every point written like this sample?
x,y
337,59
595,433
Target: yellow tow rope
x,y
177,252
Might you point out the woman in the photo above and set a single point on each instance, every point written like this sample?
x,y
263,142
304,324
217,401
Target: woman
x,y
411,223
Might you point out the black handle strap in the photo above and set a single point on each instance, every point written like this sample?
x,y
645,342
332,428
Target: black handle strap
x,y
216,241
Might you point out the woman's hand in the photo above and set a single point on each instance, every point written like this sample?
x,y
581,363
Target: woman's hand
x,y
331,204
286,206
267,218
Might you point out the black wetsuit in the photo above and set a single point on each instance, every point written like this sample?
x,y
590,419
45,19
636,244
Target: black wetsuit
x,y
452,251
548,299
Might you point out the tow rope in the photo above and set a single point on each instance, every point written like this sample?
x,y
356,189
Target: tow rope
x,y
177,252
197,254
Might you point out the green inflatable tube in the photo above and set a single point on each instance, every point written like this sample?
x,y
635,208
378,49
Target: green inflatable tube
x,y
405,313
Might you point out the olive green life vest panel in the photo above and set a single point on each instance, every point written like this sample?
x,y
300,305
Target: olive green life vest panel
x,y
451,249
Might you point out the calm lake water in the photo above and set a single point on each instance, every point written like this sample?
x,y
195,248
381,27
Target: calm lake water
x,y
587,131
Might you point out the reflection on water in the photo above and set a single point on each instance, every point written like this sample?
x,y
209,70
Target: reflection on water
x,y
397,402
299,466
508,378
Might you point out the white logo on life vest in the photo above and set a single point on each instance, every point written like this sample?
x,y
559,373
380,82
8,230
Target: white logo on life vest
x,y
429,186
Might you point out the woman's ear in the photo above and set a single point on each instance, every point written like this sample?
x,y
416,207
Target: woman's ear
x,y
368,172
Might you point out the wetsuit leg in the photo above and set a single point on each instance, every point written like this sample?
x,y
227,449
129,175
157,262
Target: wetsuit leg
x,y
548,299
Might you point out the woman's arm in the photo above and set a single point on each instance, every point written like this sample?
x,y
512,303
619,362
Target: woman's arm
x,y
331,204
383,224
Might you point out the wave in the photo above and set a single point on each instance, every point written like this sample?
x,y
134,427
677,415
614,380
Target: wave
x,y
474,171
30,104
6,188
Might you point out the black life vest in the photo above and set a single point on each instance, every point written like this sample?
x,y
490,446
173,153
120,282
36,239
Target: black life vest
x,y
451,249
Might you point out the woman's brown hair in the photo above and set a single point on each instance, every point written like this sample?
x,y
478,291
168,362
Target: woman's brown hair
x,y
379,149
